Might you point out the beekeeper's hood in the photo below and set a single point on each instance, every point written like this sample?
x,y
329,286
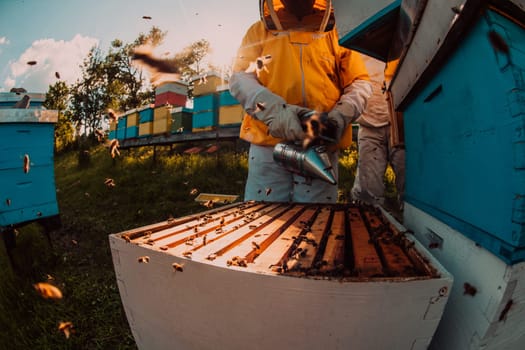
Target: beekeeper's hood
x,y
297,15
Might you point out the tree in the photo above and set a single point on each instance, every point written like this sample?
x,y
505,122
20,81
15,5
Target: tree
x,y
114,81
57,99
89,98
110,81
191,58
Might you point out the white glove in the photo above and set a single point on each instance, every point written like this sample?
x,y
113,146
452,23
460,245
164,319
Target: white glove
x,y
350,106
282,118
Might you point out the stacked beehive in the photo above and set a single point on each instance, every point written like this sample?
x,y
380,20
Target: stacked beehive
x,y
205,101
213,104
181,120
132,122
174,93
145,120
230,111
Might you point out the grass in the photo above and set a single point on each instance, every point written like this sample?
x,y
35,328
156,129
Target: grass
x,y
148,189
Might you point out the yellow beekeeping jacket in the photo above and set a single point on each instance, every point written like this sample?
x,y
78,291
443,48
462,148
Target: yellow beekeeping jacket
x,y
307,67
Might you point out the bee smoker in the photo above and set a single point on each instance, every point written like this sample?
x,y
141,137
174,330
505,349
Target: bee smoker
x,y
312,162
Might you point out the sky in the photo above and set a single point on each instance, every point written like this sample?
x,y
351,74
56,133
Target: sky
x,y
58,34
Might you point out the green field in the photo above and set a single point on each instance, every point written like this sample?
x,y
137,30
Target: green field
x,y
148,188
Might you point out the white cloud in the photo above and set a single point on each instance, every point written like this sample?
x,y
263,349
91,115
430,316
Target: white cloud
x,y
64,57
4,40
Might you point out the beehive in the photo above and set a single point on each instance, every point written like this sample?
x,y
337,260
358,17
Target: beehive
x,y
230,112
121,127
28,190
145,129
132,118
206,83
145,114
335,276
162,120
471,137
181,120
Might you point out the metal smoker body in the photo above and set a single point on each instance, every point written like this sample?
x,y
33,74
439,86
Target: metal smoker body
x,y
312,162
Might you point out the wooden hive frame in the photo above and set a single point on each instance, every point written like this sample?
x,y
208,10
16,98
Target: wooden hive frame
x,y
348,242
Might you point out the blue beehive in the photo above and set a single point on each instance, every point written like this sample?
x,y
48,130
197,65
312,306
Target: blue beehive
x,y
121,128
27,190
132,132
203,120
205,103
226,98
205,112
146,115
470,121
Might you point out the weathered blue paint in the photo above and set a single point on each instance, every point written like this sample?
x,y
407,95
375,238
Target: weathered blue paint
x,y
26,196
121,128
364,38
204,103
226,98
204,119
146,115
465,139
131,132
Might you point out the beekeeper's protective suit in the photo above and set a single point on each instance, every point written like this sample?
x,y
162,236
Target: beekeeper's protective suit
x,y
377,148
290,61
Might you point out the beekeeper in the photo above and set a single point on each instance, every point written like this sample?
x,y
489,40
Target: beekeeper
x,y
290,62
379,145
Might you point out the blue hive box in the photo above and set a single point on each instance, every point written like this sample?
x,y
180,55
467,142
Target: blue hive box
x,y
226,98
203,120
121,128
146,114
27,177
469,120
205,103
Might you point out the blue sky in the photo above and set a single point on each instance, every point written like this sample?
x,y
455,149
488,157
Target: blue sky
x,y
59,33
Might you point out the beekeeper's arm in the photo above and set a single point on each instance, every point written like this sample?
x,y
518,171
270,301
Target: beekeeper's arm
x,y
356,92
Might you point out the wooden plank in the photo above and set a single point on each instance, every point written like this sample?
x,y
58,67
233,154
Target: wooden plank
x,y
277,252
232,236
137,233
333,258
366,261
309,248
201,225
267,236
397,262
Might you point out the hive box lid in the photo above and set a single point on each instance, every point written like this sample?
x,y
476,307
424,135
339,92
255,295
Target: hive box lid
x,y
367,26
15,115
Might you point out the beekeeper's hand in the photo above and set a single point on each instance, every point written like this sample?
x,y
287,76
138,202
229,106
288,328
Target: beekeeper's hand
x,y
350,106
282,118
